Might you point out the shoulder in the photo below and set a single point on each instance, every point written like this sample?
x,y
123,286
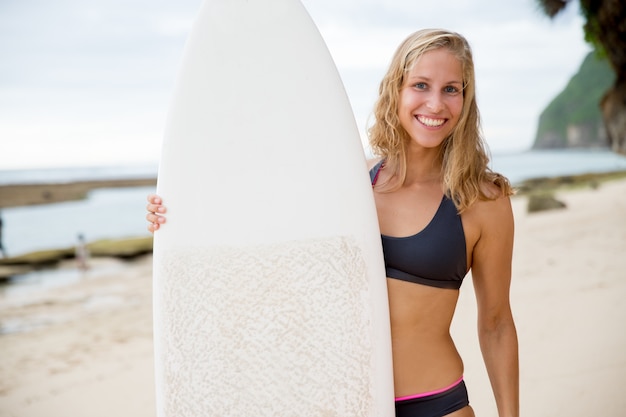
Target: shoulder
x,y
493,219
496,202
493,198
374,168
371,163
492,191
489,227
491,215
490,196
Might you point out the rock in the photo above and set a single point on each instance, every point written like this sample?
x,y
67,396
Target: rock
x,y
541,202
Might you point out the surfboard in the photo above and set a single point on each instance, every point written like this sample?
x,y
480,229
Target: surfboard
x,y
268,279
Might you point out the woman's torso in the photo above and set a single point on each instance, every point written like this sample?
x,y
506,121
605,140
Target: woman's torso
x,y
424,355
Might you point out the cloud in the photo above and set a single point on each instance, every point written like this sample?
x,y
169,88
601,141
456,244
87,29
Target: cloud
x,y
74,71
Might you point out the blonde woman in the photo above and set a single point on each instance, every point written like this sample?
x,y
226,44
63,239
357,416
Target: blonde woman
x,y
442,212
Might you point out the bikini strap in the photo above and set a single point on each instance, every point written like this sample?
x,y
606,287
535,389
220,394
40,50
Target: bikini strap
x,y
375,171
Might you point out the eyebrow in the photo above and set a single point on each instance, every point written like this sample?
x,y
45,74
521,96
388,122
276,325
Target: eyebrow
x,y
420,77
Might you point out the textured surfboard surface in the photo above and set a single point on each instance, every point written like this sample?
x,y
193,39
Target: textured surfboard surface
x,y
269,286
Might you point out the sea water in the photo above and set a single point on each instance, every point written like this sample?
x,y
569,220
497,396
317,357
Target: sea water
x,y
552,163
108,213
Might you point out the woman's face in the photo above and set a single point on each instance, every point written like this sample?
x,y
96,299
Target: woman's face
x,y
431,98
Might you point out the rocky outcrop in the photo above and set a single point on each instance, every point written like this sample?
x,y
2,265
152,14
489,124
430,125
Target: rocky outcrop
x,y
614,114
574,118
585,135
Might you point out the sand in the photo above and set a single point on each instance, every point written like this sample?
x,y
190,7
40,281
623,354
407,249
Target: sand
x,y
89,352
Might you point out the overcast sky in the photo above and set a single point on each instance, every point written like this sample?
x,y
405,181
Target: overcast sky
x,y
88,82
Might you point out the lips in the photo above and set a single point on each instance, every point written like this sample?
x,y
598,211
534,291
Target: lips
x,y
430,122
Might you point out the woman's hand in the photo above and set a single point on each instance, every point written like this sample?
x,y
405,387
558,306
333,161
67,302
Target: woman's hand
x,y
155,210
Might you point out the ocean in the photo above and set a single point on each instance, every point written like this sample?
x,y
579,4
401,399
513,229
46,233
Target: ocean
x,y
120,212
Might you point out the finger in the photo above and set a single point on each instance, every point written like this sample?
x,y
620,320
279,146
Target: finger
x,y
154,199
155,208
155,218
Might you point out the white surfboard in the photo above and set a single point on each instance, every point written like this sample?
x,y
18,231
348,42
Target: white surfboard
x,y
269,285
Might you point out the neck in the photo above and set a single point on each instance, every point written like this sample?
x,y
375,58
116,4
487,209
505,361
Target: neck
x,y
423,166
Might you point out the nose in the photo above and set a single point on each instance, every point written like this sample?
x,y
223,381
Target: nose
x,y
434,103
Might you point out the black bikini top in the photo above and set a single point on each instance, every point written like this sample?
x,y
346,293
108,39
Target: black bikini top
x,y
435,256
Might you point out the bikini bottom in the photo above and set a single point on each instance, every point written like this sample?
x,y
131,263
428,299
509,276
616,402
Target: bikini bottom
x,y
434,404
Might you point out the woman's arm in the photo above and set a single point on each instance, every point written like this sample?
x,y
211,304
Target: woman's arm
x,y
491,275
155,205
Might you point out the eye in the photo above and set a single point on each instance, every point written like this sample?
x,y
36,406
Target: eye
x,y
420,86
451,90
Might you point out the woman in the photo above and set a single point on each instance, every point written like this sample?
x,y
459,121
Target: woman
x,y
441,213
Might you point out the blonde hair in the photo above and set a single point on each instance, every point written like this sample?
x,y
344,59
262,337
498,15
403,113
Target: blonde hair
x,y
464,153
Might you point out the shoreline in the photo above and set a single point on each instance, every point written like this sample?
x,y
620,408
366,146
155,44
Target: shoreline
x,y
16,195
29,194
125,249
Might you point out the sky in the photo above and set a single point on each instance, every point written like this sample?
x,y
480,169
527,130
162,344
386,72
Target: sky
x,y
89,82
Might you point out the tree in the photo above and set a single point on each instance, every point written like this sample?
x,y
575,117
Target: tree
x,y
605,29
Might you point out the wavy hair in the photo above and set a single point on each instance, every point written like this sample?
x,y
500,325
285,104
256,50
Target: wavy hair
x,y
464,152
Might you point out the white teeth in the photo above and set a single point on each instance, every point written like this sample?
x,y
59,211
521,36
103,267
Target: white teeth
x,y
430,122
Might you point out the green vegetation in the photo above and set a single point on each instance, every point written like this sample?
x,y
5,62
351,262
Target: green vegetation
x,y
119,248
123,248
541,191
29,194
126,249
578,103
542,202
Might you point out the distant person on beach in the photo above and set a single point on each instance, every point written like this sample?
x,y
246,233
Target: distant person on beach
x,y
442,212
3,252
82,253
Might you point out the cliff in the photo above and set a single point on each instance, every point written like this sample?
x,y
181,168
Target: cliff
x,y
573,118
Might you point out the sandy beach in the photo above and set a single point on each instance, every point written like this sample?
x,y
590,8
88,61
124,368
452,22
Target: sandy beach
x,y
88,352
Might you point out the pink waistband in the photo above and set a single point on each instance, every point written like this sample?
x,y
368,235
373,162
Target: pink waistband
x,y
426,394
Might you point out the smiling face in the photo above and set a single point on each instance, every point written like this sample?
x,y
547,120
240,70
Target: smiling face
x,y
431,98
